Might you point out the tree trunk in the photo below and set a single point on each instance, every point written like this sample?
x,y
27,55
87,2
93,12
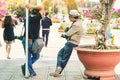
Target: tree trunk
x,y
106,5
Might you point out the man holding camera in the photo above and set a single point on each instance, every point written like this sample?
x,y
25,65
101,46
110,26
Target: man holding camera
x,y
72,36
35,16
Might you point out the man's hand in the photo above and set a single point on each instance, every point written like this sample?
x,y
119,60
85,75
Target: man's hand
x,y
39,7
63,36
29,6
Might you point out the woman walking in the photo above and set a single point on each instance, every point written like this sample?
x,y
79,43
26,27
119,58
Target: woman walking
x,y
8,33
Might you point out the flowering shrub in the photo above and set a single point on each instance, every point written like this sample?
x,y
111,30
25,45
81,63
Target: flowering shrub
x,y
91,27
96,13
2,3
2,12
2,9
86,13
55,20
116,13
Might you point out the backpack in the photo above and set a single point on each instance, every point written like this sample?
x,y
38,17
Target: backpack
x,y
37,45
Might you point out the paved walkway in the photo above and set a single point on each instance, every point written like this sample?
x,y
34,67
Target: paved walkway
x,y
10,69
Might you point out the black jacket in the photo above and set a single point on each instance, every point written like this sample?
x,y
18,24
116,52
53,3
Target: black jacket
x,y
46,23
34,26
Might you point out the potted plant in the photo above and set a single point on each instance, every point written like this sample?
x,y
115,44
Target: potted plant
x,y
61,28
100,59
91,27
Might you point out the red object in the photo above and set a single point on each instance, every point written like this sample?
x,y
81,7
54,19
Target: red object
x,y
99,63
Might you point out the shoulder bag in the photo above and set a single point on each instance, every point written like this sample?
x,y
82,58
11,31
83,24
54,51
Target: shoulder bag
x,y
38,43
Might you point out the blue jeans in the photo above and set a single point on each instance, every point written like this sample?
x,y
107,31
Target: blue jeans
x,y
32,57
64,54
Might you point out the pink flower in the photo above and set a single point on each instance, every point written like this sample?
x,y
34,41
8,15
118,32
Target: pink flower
x,y
1,15
2,3
113,9
95,17
2,12
118,10
90,11
97,6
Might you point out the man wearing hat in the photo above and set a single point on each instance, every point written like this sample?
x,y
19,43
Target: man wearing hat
x,y
73,36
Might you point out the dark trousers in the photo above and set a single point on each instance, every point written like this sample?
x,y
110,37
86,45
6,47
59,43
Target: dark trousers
x,y
45,34
64,54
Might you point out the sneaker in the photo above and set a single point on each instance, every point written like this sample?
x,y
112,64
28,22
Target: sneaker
x,y
57,72
23,69
32,75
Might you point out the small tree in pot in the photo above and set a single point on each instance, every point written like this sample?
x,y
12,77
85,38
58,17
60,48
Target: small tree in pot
x,y
100,62
106,6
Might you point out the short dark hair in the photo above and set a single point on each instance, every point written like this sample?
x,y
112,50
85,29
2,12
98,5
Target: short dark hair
x,y
76,17
46,13
34,11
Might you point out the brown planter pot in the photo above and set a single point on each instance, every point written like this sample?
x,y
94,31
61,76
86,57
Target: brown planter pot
x,y
99,63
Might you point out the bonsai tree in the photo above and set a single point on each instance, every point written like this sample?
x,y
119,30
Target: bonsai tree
x,y
106,7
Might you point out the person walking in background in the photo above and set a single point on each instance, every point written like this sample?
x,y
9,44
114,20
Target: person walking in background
x,y
73,36
46,23
35,16
8,34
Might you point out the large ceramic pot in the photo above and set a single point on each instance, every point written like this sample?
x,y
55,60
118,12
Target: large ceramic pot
x,y
99,63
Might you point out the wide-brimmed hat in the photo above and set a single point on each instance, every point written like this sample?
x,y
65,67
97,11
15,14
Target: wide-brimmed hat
x,y
74,13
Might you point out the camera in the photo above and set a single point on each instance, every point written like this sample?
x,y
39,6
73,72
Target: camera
x,y
66,37
18,37
66,29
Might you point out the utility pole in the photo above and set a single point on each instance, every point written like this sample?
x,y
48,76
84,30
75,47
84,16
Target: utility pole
x,y
26,48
